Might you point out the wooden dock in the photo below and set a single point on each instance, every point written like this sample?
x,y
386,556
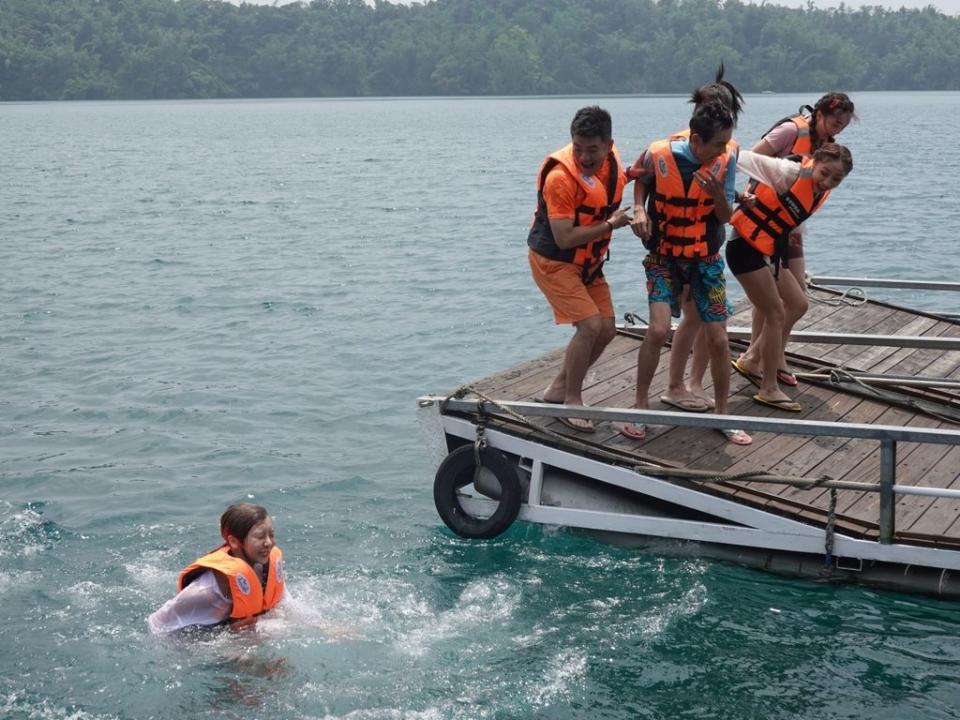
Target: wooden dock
x,y
920,520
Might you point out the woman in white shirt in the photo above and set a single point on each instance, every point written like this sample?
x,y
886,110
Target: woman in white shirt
x,y
234,583
788,191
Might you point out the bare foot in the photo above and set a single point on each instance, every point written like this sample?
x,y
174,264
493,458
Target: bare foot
x,y
698,392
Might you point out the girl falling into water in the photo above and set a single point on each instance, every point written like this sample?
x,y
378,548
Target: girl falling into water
x,y
233,584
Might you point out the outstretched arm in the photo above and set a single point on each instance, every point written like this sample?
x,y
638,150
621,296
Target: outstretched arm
x,y
200,603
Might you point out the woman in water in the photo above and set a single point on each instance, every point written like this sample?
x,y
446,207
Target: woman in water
x,y
787,192
233,584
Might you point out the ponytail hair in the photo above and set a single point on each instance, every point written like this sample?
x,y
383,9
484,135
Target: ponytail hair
x,y
833,151
719,90
710,119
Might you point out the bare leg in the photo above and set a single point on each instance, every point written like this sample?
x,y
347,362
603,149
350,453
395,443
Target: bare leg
x,y
762,291
751,356
716,344
701,357
591,337
794,299
648,357
683,342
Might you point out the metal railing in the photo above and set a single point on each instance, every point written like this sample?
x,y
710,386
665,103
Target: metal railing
x,y
883,283
894,284
887,435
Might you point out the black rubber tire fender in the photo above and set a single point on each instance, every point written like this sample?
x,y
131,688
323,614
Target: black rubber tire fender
x,y
456,471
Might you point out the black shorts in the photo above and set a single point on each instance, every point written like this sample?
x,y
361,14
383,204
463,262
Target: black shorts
x,y
742,258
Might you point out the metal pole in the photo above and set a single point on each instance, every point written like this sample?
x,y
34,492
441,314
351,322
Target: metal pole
x,y
828,338
885,282
888,476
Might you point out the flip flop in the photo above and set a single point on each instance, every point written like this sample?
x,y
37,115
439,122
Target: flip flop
x,y
788,405
694,405
545,401
755,379
737,437
634,431
568,422
786,377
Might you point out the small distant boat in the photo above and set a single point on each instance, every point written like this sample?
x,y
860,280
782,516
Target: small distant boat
x,y
767,92
863,486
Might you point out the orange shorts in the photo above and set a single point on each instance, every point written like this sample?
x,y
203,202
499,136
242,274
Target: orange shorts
x,y
562,285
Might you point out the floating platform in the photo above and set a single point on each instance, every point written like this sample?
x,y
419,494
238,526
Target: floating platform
x,y
862,486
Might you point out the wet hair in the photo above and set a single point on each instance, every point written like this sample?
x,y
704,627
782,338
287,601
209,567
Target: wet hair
x,y
592,121
832,103
722,91
709,119
833,151
240,518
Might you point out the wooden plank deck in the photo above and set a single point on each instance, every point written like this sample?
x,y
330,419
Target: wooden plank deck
x,y
924,520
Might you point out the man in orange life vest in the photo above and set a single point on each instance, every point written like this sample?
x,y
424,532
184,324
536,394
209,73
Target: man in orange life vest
x,y
579,189
683,196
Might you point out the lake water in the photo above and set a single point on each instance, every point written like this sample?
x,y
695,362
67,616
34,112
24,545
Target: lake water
x,y
206,302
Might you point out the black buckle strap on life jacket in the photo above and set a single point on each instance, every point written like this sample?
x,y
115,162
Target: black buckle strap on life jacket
x,y
781,253
591,271
601,250
583,210
678,241
765,219
613,176
680,202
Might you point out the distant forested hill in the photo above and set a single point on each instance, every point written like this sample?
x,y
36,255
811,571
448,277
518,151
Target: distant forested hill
x,y
55,49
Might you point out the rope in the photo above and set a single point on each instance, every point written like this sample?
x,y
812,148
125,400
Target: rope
x,y
836,377
847,297
465,390
634,319
830,531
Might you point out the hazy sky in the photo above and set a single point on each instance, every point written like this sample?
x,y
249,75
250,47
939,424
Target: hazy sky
x,y
950,7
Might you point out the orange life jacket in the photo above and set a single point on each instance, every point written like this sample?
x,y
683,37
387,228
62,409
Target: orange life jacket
x,y
597,203
766,226
803,145
685,225
249,597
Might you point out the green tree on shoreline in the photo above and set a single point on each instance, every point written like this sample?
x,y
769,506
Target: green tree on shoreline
x,y
133,49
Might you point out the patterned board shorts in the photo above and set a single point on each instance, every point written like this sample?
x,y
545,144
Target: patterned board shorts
x,y
666,278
